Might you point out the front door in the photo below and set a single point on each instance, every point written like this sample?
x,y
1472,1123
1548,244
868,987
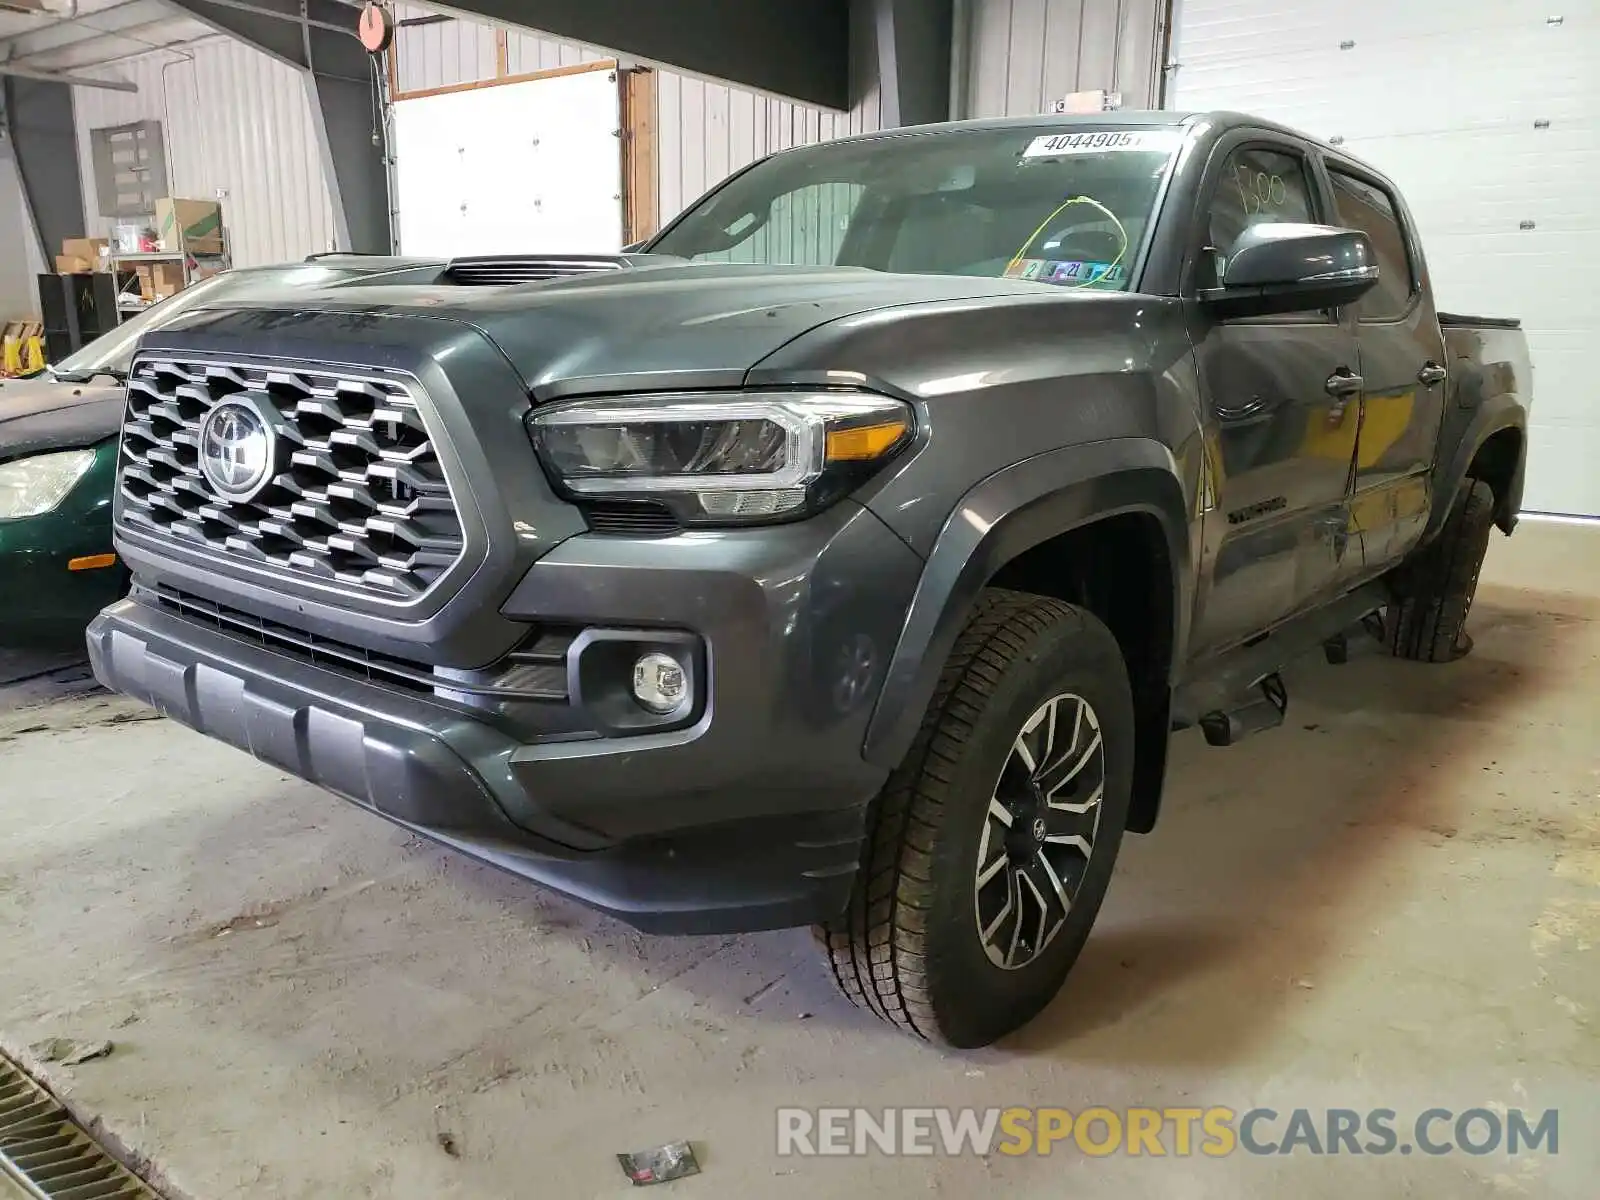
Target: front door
x,y
1402,365
1283,399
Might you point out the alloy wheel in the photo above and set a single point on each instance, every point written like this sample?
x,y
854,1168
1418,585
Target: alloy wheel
x,y
1039,831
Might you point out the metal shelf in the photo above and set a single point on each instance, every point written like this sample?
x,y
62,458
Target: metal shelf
x,y
188,258
168,255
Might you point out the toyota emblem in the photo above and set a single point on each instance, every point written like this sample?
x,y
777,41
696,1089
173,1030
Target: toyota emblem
x,y
236,451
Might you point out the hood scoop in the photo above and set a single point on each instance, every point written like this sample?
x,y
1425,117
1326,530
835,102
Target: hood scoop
x,y
502,270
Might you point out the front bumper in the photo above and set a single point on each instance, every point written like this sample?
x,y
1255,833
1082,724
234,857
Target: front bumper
x,y
751,818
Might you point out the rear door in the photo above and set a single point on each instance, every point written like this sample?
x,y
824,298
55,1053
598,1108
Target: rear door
x,y
1402,368
1283,406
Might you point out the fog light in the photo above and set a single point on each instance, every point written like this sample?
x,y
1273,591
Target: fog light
x,y
659,682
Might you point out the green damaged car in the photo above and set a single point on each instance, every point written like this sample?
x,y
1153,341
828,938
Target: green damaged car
x,y
56,565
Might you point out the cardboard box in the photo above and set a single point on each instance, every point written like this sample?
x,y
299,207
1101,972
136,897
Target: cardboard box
x,y
157,281
166,279
91,250
71,264
194,225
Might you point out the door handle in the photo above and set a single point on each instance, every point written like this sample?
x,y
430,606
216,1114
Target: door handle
x,y
1342,383
1431,373
1256,406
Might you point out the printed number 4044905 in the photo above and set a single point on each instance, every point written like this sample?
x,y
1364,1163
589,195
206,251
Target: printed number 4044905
x,y
1099,141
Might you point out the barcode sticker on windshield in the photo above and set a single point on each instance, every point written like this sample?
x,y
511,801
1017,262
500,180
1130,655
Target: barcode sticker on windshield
x,y
1054,145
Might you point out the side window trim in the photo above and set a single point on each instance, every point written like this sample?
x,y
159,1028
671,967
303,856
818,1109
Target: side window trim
x,y
1212,179
1402,221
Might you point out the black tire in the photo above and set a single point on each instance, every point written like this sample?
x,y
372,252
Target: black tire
x,y
909,947
1426,620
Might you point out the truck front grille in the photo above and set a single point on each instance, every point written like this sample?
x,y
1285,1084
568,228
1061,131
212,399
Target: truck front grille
x,y
357,496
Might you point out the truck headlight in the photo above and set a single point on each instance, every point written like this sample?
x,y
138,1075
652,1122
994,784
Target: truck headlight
x,y
31,487
755,456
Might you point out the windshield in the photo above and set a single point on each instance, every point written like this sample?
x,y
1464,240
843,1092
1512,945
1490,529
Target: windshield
x,y
1067,207
113,353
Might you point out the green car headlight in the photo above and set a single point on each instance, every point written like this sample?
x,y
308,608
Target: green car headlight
x,y
31,487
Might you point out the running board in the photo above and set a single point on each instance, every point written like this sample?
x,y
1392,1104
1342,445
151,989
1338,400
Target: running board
x,y
1266,711
1337,648
1229,682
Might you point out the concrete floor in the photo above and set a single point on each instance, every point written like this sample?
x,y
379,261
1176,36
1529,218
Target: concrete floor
x,y
1391,902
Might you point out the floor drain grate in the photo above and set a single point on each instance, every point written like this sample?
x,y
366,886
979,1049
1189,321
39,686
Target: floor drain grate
x,y
45,1152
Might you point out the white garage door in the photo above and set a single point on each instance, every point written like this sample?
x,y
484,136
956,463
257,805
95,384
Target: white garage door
x,y
1487,115
531,167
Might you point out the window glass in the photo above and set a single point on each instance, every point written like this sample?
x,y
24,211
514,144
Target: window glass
x,y
806,228
1258,187
1065,204
1362,206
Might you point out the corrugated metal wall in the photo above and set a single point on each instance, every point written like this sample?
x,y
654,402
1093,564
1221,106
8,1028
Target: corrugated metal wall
x,y
237,119
232,118
1028,53
462,51
704,130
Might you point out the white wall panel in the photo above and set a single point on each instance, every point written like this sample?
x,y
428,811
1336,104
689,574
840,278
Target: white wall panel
x,y
704,130
440,54
232,118
1487,116
1025,54
527,52
444,53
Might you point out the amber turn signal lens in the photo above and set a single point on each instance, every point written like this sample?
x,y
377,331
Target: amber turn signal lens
x,y
91,562
865,442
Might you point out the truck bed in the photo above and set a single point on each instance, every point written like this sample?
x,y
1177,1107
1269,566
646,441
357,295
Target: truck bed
x,y
1487,357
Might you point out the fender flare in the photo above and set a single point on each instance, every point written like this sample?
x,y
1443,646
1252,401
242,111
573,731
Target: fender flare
x,y
1504,411
1002,516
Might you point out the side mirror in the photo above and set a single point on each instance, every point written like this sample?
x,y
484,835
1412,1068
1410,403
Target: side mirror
x,y
1293,268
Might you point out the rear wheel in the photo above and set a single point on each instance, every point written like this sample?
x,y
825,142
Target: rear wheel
x,y
992,845
1427,619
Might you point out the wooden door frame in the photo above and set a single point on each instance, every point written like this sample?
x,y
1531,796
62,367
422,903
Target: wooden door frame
x,y
641,207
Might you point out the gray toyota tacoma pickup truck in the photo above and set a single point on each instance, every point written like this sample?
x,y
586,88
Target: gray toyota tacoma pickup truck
x,y
846,555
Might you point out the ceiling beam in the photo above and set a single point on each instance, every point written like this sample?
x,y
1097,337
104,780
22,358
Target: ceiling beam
x,y
107,20
913,43
794,48
40,8
66,55
113,85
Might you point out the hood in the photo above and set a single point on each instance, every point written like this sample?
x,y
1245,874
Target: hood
x,y
658,328
40,414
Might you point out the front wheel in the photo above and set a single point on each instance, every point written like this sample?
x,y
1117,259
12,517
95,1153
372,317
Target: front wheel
x,y
991,846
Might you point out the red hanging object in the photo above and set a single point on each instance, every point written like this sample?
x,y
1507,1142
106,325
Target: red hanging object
x,y
376,28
